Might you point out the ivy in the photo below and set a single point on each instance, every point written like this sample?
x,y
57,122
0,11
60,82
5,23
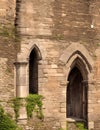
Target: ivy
x,y
34,103
80,126
9,33
6,123
16,106
60,129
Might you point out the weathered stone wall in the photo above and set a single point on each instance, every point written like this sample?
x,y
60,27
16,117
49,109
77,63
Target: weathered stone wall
x,y
51,25
7,11
8,52
70,20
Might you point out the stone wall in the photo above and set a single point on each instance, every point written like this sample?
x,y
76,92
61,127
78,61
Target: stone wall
x,y
8,52
51,26
7,11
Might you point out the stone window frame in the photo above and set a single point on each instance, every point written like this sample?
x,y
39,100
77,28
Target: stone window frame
x,y
22,69
76,53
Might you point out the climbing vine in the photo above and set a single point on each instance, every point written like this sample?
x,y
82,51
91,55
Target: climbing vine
x,y
16,106
34,104
6,123
9,33
80,126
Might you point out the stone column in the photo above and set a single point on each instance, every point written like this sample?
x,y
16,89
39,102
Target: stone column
x,y
85,99
66,96
22,88
62,103
67,82
90,102
22,85
88,85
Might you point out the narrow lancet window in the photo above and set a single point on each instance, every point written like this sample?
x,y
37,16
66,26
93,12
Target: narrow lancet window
x,y
76,95
33,72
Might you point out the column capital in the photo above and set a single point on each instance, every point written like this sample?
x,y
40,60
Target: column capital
x,y
21,63
67,82
85,81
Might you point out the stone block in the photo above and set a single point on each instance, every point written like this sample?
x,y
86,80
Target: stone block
x,y
91,125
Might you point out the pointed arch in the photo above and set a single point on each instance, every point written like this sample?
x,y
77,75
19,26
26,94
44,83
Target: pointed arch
x,y
77,50
23,55
37,50
78,70
75,94
33,71
27,73
77,91
81,65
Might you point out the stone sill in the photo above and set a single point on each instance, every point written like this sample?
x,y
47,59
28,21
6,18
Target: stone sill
x,y
74,119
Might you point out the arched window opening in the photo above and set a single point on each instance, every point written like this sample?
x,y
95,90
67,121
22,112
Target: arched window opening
x,y
33,72
76,95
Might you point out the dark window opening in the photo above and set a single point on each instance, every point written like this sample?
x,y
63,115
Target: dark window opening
x,y
33,73
76,95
